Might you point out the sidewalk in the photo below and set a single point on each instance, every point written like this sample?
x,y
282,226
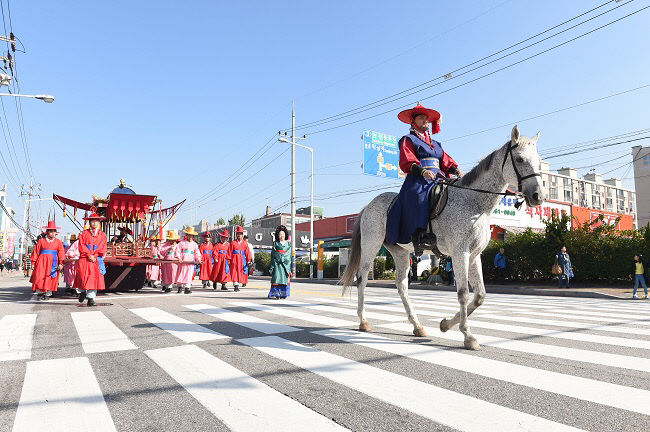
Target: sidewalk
x,y
617,293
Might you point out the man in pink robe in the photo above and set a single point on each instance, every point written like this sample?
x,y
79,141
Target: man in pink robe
x,y
168,270
70,268
153,270
187,252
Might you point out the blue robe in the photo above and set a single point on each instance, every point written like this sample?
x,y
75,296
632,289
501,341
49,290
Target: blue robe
x,y
411,209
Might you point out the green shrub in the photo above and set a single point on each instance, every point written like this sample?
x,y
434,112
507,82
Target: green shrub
x,y
263,262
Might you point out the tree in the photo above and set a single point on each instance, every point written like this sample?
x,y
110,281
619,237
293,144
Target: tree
x,y
237,219
220,222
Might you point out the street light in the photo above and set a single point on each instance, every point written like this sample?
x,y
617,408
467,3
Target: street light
x,y
311,206
44,97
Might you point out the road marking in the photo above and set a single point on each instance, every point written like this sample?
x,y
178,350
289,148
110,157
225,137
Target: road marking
x,y
613,395
573,324
344,311
559,334
99,334
450,408
181,328
290,312
62,395
242,319
240,401
575,354
622,316
16,335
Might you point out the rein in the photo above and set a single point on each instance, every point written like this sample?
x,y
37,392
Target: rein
x,y
520,179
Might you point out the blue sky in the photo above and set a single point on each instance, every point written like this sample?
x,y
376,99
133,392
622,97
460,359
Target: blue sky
x,y
173,97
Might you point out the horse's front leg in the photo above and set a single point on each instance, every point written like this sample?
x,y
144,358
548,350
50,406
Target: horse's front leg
x,y
401,281
461,271
476,279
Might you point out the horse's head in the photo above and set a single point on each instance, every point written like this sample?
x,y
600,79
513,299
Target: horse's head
x,y
523,167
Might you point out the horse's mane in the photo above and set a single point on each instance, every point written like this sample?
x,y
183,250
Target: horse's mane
x,y
482,167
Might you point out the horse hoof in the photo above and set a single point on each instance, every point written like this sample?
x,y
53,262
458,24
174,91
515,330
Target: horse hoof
x,y
419,331
444,325
472,345
365,326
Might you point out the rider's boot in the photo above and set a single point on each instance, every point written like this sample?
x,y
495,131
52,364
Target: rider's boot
x,y
423,240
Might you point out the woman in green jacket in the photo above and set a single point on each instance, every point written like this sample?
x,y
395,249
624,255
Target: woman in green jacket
x,y
280,268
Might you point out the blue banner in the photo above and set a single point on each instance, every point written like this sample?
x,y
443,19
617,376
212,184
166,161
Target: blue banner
x,y
380,155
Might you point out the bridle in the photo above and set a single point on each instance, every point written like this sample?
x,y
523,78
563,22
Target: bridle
x,y
520,178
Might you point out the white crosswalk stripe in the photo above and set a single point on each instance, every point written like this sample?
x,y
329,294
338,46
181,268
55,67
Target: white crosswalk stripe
x,y
293,313
451,408
181,328
581,355
240,401
242,319
581,388
67,401
521,354
16,332
99,334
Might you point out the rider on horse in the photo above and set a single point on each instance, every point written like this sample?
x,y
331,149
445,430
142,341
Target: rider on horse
x,y
424,162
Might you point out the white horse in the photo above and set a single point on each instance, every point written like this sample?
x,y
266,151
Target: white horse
x,y
462,230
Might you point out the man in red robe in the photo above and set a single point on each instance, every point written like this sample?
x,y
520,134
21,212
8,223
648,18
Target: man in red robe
x,y
206,260
90,268
221,265
239,259
48,259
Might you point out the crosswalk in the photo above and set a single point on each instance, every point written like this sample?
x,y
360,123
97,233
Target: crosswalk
x,y
250,364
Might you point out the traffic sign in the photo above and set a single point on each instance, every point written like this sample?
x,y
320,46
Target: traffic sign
x,y
380,154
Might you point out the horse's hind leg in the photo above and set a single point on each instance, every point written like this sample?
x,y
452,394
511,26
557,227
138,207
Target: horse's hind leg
x,y
362,281
401,258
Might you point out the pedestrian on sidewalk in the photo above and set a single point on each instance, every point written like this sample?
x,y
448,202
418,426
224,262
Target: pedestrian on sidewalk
x,y
206,260
187,253
48,256
2,265
639,270
70,268
90,267
221,265
27,265
168,269
449,268
564,261
251,256
500,266
280,267
239,259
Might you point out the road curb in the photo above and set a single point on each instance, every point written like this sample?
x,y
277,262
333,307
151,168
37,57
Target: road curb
x,y
491,289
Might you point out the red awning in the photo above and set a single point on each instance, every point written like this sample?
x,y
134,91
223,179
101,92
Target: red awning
x,y
71,203
129,208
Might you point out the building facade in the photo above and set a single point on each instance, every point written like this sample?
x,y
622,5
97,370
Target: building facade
x,y
641,163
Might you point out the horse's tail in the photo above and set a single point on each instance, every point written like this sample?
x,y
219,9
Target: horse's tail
x,y
354,259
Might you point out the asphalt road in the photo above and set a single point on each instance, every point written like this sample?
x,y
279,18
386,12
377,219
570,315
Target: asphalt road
x,y
215,360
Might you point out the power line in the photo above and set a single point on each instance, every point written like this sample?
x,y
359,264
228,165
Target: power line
x,y
549,113
597,147
452,75
482,76
229,179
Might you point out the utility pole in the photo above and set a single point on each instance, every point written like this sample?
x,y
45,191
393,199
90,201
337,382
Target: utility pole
x,y
293,188
26,220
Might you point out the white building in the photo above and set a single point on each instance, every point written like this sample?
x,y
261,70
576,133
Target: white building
x,y
641,162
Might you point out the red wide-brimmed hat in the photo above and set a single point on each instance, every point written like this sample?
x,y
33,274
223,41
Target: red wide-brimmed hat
x,y
94,216
51,225
206,234
239,230
224,233
408,115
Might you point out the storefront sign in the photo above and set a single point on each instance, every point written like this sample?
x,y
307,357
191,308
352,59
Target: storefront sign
x,y
506,215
